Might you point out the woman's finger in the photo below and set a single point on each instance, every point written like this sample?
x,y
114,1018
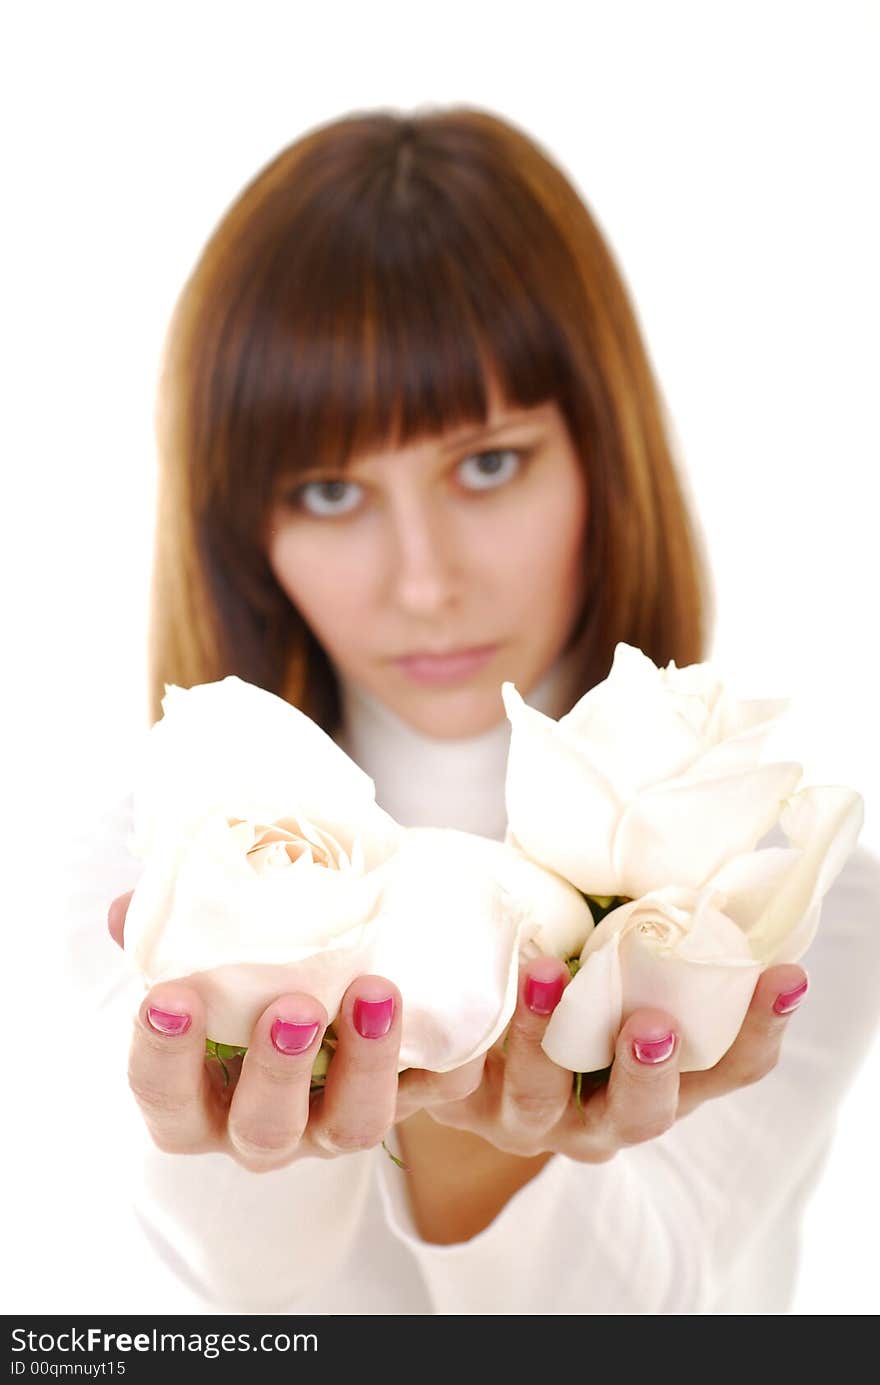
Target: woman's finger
x,y
356,1108
640,1099
535,1091
166,1071
756,1049
116,916
270,1105
418,1089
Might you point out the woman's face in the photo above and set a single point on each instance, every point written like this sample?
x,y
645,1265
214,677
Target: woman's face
x,y
431,574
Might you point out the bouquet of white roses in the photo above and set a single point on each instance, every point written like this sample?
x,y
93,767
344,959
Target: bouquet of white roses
x,y
650,797
269,868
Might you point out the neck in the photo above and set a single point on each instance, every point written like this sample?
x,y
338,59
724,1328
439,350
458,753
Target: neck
x,y
425,782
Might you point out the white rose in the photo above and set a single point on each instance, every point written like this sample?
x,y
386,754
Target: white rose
x,y
457,912
652,778
698,954
270,869
263,846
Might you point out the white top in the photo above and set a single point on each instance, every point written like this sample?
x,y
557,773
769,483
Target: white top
x,y
703,1220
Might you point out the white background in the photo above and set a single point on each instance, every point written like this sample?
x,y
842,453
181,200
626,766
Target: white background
x,y
729,151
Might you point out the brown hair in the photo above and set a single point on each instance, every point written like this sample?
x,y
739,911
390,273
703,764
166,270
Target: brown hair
x,y
355,295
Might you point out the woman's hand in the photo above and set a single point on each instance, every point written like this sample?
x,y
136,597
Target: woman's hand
x,y
514,1098
525,1104
265,1117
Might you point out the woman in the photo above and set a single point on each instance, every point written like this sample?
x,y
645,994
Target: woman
x,y
412,447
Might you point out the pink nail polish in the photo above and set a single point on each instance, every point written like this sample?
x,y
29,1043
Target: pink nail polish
x,y
372,1018
292,1038
653,1050
166,1022
787,1001
542,997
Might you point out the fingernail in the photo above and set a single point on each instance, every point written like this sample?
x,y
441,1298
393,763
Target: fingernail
x,y
653,1050
787,1001
166,1022
542,997
372,1018
292,1038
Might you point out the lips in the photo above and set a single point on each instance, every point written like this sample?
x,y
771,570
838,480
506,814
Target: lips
x,y
450,666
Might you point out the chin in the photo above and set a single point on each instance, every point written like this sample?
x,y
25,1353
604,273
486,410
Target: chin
x,y
457,716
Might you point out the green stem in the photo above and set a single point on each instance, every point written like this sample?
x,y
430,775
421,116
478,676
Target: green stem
x,y
399,1162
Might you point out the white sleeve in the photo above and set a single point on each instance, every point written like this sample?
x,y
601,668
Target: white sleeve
x,y
227,1238
704,1219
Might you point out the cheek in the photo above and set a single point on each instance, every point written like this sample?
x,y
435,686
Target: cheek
x,y
547,554
318,578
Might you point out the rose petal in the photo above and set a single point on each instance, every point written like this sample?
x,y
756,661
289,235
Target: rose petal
x,y
691,961
199,910
795,944
685,831
703,976
449,938
737,737
632,730
222,907
151,901
734,718
824,822
580,1033
559,920
232,748
749,883
561,812
693,680
709,999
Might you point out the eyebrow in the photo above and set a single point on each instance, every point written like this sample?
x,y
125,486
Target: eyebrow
x,y
481,434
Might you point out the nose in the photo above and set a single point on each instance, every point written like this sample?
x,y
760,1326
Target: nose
x,y
424,559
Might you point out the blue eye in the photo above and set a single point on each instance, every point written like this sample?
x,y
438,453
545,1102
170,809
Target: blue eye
x,y
488,470
328,497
